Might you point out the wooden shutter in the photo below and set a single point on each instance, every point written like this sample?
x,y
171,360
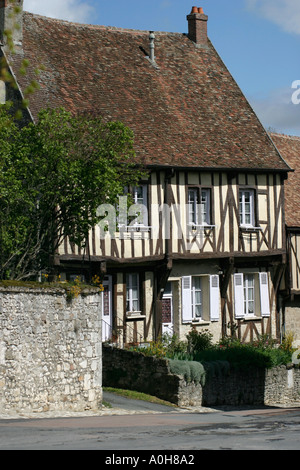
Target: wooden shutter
x,y
187,314
214,294
264,294
239,295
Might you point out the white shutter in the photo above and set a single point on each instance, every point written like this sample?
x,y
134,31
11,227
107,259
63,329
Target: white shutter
x,y
239,295
187,315
214,294
264,294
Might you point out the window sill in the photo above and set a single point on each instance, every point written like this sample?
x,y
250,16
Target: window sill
x,y
135,316
251,318
134,228
195,227
250,228
197,322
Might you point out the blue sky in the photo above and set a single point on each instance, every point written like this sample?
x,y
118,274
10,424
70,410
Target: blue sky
x,y
258,40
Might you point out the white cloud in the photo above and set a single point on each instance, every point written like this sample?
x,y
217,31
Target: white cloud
x,y
285,13
71,10
277,111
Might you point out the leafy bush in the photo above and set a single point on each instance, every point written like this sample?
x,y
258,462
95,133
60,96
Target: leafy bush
x,y
216,358
198,341
244,355
287,343
217,368
166,346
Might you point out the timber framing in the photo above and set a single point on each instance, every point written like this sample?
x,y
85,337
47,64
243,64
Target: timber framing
x,y
187,139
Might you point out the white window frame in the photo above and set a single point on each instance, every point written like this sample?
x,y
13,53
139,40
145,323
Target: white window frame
x,y
248,288
206,220
199,207
261,305
141,204
242,208
130,298
189,290
194,291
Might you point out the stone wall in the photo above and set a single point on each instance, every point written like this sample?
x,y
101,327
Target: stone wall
x,y
133,371
50,350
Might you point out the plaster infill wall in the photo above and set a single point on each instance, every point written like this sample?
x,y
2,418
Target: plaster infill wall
x,y
50,350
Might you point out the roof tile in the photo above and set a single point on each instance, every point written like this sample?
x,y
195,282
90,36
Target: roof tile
x,y
188,112
289,147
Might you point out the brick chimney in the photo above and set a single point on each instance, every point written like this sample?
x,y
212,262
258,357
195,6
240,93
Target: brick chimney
x,y
198,26
11,20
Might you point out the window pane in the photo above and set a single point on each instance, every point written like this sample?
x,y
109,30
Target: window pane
x,y
205,207
138,195
197,297
246,206
247,196
168,288
134,280
197,283
249,297
198,312
132,292
250,307
247,219
192,201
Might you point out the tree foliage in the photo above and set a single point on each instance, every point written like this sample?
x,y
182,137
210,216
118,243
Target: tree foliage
x,y
53,176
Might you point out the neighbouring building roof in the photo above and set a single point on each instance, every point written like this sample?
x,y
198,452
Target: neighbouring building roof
x,y
289,147
186,112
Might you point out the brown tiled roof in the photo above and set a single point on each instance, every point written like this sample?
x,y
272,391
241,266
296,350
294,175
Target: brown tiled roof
x,y
189,112
289,147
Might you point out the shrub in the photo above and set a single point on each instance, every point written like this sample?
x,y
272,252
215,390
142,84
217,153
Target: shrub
x,y
287,343
216,358
198,341
244,355
217,368
191,371
166,346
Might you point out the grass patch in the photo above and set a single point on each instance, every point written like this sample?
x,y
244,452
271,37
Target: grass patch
x,y
138,396
106,404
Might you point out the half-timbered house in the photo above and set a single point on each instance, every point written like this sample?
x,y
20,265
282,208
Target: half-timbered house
x,y
289,147
209,249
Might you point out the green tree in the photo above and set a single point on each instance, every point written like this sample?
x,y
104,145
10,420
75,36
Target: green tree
x,y
53,176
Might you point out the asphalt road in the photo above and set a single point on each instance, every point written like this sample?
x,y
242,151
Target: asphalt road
x,y
164,432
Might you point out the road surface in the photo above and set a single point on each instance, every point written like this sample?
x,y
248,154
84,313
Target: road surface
x,y
189,432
